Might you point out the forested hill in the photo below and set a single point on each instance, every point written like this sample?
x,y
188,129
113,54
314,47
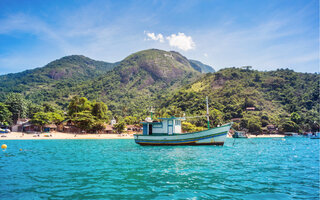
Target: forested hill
x,y
69,69
57,81
175,85
141,80
282,98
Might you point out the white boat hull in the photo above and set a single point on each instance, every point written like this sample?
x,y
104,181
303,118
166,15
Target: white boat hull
x,y
213,136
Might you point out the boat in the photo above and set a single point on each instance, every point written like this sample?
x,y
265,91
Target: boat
x,y
315,135
239,134
168,132
292,134
4,130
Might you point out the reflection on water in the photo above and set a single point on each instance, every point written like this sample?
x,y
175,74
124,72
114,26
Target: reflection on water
x,y
120,169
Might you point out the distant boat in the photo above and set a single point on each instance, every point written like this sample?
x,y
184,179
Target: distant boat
x,y
4,130
240,134
168,132
292,134
315,136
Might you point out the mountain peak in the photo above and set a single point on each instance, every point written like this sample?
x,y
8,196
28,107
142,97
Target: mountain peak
x,y
159,64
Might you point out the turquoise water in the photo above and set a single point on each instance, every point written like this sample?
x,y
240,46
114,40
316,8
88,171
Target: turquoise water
x,y
120,169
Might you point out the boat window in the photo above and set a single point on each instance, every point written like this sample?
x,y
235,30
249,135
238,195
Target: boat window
x,y
178,122
157,125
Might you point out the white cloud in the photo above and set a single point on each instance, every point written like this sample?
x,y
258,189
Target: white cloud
x,y
205,55
181,41
153,36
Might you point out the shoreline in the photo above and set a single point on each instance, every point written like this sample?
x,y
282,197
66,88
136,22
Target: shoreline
x,y
73,136
62,136
263,136
267,136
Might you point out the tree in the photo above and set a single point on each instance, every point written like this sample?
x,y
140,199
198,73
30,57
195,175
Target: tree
x,y
236,126
45,118
17,105
119,127
188,127
41,119
5,114
89,116
33,108
100,111
130,120
56,117
290,126
98,126
78,104
295,117
84,120
254,126
173,111
252,123
248,102
47,107
216,117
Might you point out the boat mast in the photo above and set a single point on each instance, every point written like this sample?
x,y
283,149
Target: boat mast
x,y
151,110
208,113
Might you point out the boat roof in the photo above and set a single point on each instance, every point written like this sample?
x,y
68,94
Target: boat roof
x,y
154,122
175,118
164,118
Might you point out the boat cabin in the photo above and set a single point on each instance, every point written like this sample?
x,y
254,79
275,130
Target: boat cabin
x,y
167,126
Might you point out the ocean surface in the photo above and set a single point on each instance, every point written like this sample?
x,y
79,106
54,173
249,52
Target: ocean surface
x,y
120,169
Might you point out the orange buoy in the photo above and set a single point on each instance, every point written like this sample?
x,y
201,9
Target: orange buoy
x,y
4,146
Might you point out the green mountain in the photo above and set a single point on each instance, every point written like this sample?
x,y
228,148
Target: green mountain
x,y
75,68
199,66
66,72
175,85
141,80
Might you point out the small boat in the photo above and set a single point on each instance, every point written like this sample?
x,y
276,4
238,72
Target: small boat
x,y
292,134
4,130
315,136
168,132
240,134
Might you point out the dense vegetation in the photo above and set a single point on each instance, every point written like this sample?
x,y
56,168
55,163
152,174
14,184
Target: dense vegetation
x,y
57,82
51,82
283,98
167,81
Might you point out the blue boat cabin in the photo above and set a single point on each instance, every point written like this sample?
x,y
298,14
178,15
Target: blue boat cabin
x,y
167,126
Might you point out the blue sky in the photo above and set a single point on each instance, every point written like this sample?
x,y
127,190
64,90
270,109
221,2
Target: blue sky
x,y
265,34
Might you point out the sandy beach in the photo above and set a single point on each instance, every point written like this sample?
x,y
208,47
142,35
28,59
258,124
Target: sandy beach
x,y
59,135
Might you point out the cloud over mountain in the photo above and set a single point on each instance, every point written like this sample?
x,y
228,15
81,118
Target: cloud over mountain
x,y
180,40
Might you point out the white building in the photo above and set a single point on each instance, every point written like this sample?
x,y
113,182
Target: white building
x,y
113,121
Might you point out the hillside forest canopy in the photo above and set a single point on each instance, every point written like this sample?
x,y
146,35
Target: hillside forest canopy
x,y
283,98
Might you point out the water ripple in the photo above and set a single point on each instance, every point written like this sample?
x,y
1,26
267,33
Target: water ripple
x,y
120,169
